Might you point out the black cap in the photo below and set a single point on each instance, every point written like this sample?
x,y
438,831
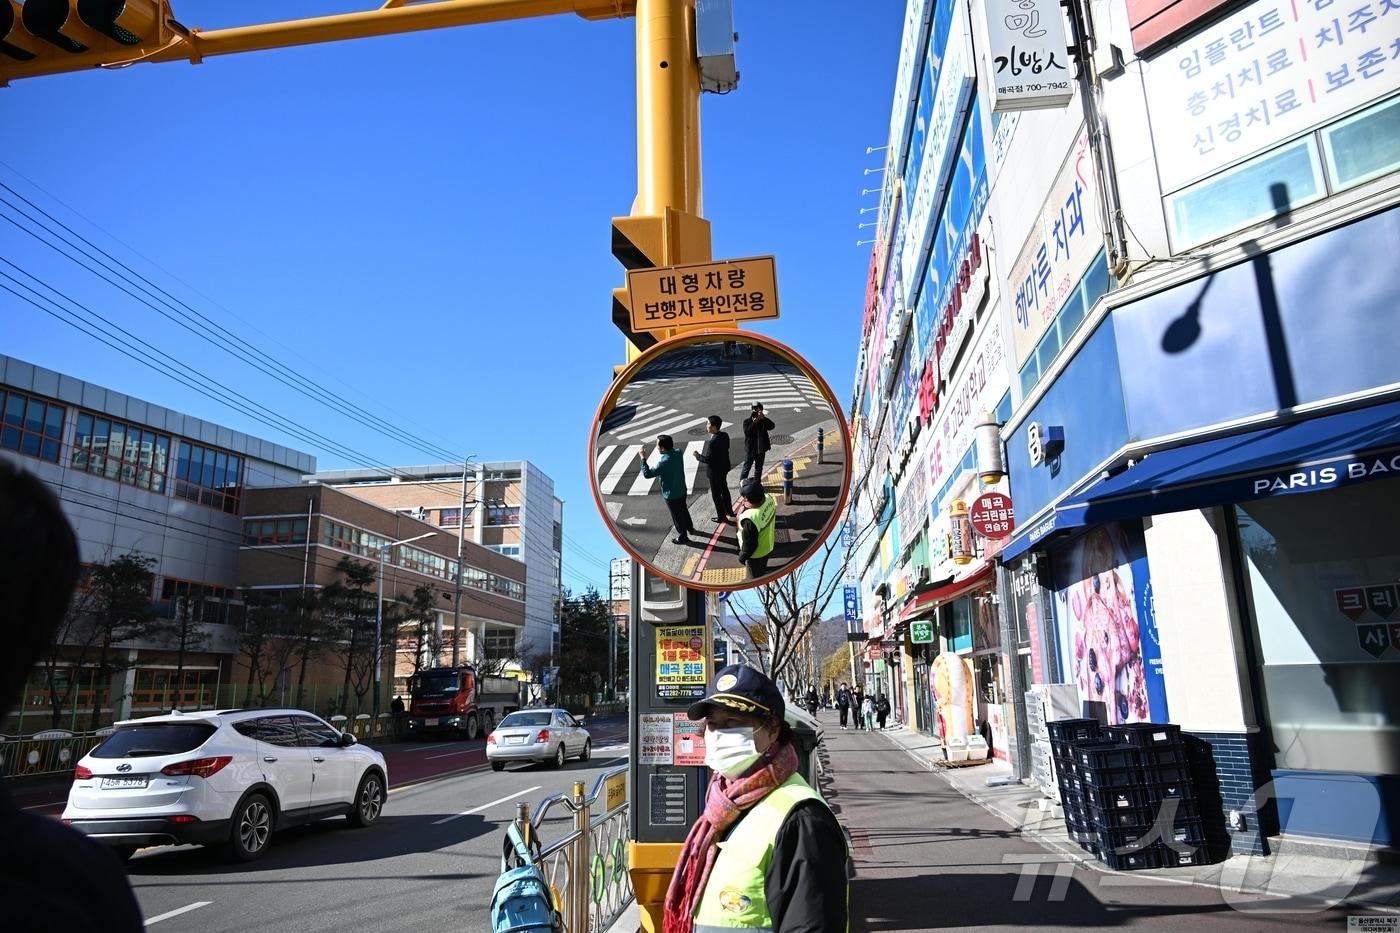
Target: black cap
x,y
752,489
744,690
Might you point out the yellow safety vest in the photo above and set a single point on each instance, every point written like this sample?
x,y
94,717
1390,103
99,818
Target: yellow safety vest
x,y
734,898
764,520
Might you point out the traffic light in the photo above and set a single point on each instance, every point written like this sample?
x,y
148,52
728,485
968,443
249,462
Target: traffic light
x,y
648,241
50,36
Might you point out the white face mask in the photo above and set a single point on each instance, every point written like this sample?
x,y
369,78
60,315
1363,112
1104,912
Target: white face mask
x,y
730,752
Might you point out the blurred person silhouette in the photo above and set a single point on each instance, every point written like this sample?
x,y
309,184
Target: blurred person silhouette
x,y
51,877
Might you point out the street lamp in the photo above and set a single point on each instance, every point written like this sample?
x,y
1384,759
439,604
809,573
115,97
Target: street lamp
x,y
379,617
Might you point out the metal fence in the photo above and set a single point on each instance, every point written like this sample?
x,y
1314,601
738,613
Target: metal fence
x,y
586,868
57,750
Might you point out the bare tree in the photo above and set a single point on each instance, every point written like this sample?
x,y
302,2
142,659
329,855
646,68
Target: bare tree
x,y
427,640
121,613
70,653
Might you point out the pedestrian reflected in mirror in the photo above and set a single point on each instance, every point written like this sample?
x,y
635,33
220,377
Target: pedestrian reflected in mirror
x,y
720,460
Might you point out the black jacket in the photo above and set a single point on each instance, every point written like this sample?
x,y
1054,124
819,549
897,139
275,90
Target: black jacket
x,y
756,436
715,456
53,877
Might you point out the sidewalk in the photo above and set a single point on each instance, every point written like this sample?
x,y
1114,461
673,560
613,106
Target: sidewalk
x,y
1350,876
939,849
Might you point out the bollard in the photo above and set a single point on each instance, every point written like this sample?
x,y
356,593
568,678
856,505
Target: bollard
x,y
821,444
787,482
579,868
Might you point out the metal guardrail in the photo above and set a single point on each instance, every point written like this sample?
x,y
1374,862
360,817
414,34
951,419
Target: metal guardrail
x,y
52,751
586,868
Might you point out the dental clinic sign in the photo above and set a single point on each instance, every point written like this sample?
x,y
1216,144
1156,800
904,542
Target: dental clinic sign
x,y
1027,50
1354,469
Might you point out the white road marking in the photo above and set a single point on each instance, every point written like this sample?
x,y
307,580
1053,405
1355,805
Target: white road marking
x,y
428,748
603,456
691,464
485,806
465,751
175,913
609,483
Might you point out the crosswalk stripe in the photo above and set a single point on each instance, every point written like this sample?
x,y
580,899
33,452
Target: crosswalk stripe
x,y
629,456
641,485
602,457
651,424
692,466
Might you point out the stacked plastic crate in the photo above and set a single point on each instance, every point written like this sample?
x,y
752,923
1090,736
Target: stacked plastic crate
x,y
1172,818
1066,736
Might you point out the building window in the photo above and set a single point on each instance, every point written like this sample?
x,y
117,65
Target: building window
x,y
425,562
509,550
205,602
32,426
1261,188
503,515
260,532
452,518
160,688
499,643
1363,146
209,476
127,453
345,538
491,583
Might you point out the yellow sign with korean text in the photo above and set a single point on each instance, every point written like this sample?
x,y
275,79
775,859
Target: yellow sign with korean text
x,y
680,662
614,792
703,294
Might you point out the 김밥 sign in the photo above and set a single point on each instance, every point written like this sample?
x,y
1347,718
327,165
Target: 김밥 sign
x,y
703,294
1026,46
1273,70
680,662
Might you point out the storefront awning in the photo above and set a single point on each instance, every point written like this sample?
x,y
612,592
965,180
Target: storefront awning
x,y
932,599
1302,456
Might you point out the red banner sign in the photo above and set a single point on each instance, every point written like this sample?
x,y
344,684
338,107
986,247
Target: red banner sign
x,y
992,515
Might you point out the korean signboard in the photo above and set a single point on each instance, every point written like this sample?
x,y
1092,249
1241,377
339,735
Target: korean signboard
x,y
1374,610
1061,247
912,504
992,516
1026,47
680,662
1272,70
921,631
688,741
953,90
656,739
979,387
911,54
703,294
851,595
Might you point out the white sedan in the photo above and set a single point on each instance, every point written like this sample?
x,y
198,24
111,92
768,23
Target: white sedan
x,y
538,735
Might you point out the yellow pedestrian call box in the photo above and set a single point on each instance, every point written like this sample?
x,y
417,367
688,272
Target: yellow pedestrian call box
x,y
704,294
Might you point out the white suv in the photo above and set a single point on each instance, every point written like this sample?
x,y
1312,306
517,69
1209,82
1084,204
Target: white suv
x,y
228,777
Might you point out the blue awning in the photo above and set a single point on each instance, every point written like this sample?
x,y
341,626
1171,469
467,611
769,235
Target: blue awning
x,y
1301,456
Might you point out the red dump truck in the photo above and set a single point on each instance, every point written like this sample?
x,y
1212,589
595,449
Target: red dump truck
x,y
454,700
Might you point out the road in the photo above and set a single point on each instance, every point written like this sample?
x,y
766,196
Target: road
x,y
429,864
674,395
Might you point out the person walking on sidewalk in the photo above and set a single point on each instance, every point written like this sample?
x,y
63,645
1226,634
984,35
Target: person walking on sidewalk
x,y
858,706
783,864
843,704
868,710
813,701
671,468
882,709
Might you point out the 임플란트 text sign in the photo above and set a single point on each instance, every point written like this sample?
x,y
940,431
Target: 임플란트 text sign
x,y
703,294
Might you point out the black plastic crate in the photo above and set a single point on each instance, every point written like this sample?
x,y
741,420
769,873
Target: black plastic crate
x,y
1118,798
1073,731
1173,810
1113,777
1144,734
1180,856
1163,755
1098,755
1150,857
1123,817
1169,790
1167,774
1184,834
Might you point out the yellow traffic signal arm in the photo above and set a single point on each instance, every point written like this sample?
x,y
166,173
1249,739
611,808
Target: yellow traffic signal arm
x,y
168,41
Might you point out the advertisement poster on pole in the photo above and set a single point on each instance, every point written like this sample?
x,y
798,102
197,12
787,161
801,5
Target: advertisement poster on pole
x,y
680,662
656,739
688,739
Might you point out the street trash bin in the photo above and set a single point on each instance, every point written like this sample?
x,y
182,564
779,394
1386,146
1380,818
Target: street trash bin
x,y
807,735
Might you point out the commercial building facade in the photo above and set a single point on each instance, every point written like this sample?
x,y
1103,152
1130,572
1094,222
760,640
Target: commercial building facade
x,y
1174,313
511,509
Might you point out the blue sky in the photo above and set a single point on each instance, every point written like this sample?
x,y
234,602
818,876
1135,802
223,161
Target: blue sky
x,y
420,223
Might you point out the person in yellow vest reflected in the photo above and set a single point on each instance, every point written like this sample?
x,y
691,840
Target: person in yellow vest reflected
x,y
758,519
767,853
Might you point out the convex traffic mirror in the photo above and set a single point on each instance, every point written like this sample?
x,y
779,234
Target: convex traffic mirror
x,y
720,459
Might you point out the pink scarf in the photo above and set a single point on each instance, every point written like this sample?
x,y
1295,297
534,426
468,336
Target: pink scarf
x,y
725,802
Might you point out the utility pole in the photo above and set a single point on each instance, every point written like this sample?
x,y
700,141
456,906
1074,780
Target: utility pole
x,y
457,586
